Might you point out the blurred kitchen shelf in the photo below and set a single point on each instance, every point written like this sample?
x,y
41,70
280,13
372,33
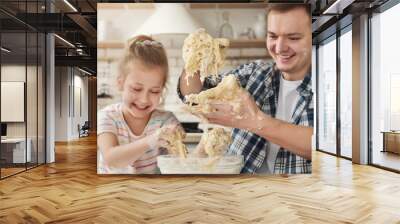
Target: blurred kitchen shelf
x,y
150,5
125,6
228,5
234,44
110,45
111,59
258,43
265,57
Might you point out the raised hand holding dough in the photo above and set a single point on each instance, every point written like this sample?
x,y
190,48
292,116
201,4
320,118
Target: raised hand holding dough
x,y
203,53
226,91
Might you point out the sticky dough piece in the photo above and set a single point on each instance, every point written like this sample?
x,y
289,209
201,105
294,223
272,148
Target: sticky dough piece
x,y
176,145
203,53
216,142
226,91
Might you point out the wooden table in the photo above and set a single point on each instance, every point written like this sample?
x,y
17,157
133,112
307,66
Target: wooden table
x,y
391,141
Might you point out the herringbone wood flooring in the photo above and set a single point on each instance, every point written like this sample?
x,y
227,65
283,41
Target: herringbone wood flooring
x,y
70,191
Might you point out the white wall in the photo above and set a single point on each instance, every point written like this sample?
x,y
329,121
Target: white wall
x,y
79,118
61,103
67,80
33,126
16,73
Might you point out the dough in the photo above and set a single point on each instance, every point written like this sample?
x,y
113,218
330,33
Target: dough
x,y
203,53
216,141
175,143
227,91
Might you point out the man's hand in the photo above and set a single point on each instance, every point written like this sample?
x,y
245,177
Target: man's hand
x,y
242,114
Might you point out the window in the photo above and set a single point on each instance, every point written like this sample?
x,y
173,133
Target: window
x,y
385,89
346,93
327,96
22,65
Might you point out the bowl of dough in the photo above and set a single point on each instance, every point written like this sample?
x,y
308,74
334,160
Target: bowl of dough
x,y
210,158
171,164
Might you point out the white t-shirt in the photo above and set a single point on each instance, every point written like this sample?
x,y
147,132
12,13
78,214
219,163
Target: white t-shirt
x,y
287,99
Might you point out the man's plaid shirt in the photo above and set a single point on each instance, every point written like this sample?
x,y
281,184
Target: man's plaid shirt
x,y
261,80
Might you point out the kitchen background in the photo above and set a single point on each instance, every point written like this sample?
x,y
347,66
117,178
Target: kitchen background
x,y
242,23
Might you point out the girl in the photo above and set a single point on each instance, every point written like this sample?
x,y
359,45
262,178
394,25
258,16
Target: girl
x,y
130,132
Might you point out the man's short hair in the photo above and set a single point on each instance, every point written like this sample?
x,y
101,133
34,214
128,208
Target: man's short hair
x,y
285,7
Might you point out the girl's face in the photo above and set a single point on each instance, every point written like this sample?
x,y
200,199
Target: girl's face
x,y
142,89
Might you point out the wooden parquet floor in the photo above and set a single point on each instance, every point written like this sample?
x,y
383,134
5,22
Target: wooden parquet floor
x,y
70,191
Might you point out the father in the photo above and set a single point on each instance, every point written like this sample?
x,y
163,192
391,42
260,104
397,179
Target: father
x,y
273,129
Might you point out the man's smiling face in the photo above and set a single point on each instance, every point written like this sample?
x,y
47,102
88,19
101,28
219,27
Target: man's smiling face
x,y
289,40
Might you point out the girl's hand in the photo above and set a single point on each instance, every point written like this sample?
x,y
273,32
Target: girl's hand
x,y
159,138
170,129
